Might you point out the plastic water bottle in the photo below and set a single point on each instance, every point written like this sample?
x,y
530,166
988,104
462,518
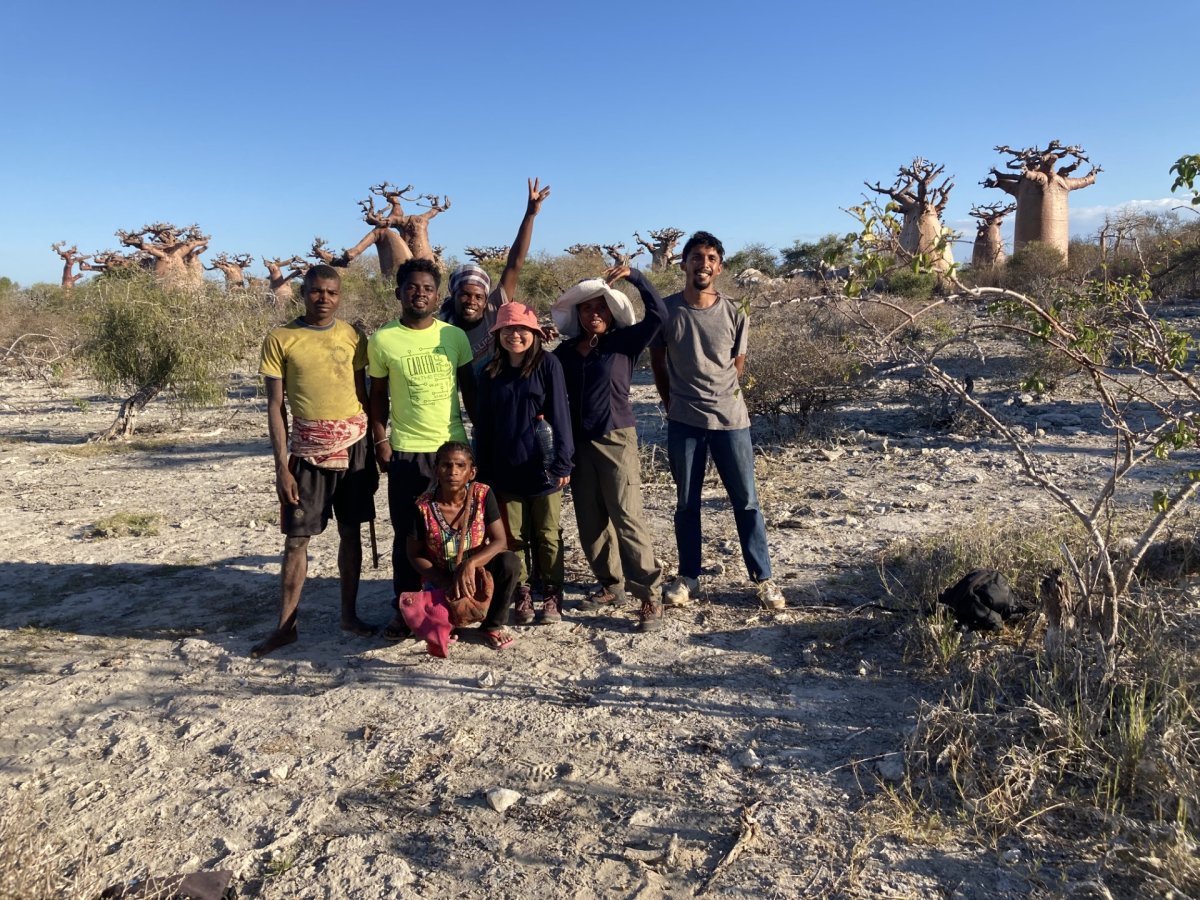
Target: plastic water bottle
x,y
545,440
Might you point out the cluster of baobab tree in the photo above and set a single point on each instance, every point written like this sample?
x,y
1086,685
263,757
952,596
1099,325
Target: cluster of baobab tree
x,y
1040,180
661,248
397,234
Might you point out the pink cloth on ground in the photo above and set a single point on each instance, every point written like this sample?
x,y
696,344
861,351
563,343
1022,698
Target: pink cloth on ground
x,y
428,617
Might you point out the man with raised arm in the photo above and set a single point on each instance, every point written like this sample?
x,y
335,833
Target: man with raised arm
x,y
697,359
417,366
316,363
472,303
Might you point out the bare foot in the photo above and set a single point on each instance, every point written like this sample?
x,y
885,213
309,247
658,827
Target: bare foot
x,y
359,627
274,641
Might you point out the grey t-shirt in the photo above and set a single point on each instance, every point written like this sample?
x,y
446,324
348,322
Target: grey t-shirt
x,y
479,334
701,345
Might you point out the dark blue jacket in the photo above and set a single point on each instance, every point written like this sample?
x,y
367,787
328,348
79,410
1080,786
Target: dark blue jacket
x,y
506,449
598,384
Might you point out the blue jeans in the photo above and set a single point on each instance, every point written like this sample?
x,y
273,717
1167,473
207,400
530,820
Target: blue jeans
x,y
688,448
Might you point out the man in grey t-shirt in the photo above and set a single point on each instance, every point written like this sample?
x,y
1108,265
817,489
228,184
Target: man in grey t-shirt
x,y
698,359
472,303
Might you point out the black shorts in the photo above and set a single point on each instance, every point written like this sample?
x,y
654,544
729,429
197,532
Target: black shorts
x,y
347,494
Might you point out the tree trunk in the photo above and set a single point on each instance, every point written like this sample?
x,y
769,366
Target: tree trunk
x,y
923,233
122,426
415,232
171,271
393,252
988,250
1053,216
284,295
1028,222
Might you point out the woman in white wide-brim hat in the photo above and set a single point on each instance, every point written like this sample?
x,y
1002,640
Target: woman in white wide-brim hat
x,y
601,344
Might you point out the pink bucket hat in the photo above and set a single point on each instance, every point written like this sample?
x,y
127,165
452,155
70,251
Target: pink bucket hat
x,y
517,314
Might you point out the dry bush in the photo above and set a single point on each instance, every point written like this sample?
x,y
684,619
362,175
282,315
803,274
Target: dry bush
x,y
797,363
40,331
36,863
915,572
368,299
1054,748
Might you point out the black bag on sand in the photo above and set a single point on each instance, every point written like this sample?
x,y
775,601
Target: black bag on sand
x,y
982,601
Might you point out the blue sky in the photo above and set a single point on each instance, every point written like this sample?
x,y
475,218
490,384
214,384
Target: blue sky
x,y
265,122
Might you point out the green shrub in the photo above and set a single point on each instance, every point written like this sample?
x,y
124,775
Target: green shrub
x,y
127,524
1034,269
912,285
144,337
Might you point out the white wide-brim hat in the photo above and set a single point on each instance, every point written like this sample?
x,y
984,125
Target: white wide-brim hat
x,y
566,320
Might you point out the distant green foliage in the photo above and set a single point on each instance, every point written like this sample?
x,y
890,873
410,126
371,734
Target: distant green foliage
x,y
832,250
754,256
7,285
544,277
141,334
368,299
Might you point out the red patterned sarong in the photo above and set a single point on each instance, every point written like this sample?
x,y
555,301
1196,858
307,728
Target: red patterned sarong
x,y
326,443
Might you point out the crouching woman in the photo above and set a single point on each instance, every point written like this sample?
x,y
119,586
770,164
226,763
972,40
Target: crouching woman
x,y
458,532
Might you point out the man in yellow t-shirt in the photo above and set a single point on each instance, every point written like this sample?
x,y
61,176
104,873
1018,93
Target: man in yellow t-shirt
x,y
317,363
417,366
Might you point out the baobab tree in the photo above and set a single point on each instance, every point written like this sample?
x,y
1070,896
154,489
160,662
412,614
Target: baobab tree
x,y
111,260
398,236
1041,191
321,253
988,250
393,252
71,258
413,228
233,268
176,251
586,251
922,203
618,254
279,282
487,254
662,247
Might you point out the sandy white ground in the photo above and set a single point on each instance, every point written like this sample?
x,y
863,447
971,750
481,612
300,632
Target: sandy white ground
x,y
132,716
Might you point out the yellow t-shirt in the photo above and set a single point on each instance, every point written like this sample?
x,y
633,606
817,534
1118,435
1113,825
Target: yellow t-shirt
x,y
317,366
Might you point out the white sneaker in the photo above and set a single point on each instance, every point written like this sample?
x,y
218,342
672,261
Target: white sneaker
x,y
681,591
770,596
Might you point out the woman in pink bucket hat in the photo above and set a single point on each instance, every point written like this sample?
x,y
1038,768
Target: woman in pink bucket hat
x,y
520,387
